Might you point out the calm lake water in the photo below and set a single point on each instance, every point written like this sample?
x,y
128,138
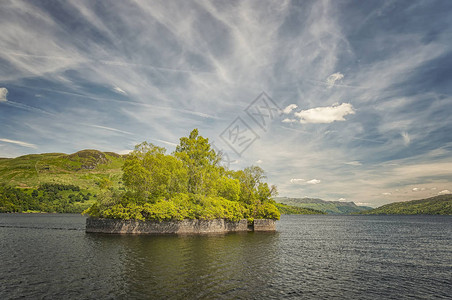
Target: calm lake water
x,y
311,257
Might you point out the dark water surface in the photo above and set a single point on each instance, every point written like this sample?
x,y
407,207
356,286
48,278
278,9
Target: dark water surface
x,y
310,257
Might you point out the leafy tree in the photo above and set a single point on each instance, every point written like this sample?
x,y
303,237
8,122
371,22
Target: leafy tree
x,y
201,162
149,173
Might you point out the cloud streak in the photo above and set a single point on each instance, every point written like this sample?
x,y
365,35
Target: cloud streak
x,y
20,143
110,129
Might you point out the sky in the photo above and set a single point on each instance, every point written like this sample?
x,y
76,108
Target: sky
x,y
339,100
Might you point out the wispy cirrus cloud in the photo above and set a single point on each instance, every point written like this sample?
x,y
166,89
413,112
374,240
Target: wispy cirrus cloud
x,y
354,163
20,143
119,90
406,138
110,129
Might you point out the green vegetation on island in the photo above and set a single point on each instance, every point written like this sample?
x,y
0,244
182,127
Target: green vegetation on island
x,y
438,205
188,184
329,207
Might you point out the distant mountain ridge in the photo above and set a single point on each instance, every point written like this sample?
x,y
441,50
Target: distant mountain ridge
x,y
330,207
438,205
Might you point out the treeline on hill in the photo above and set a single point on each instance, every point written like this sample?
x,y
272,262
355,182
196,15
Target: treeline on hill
x,y
188,184
295,210
48,197
438,205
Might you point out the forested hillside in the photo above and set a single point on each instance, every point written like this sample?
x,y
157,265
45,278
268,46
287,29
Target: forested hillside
x,y
48,197
438,205
330,207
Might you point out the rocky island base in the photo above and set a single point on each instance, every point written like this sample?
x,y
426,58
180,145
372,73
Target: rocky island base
x,y
118,226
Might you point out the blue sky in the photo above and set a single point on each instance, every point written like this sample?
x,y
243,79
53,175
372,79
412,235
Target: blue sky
x,y
363,88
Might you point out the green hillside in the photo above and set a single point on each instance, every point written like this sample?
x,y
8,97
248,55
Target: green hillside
x,y
57,182
439,205
330,207
86,169
295,210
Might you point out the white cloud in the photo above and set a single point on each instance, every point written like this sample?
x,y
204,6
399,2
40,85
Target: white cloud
x,y
415,189
386,194
23,144
3,93
406,138
289,120
289,108
259,161
354,163
326,114
303,181
342,199
313,181
297,180
444,192
331,80
119,90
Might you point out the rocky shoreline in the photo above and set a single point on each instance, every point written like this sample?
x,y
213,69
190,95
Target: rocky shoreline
x,y
118,226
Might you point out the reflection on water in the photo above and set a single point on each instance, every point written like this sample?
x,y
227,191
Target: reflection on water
x,y
197,266
50,256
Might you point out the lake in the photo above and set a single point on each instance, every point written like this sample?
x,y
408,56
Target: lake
x,y
49,256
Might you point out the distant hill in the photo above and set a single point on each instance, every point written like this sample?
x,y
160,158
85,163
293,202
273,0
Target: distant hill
x,y
86,169
295,210
57,182
438,205
330,207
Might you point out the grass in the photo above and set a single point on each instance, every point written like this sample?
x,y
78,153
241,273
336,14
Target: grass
x,y
85,169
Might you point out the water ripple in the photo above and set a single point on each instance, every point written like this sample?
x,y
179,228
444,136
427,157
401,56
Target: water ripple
x,y
310,257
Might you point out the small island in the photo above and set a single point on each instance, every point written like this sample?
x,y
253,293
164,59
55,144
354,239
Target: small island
x,y
185,192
